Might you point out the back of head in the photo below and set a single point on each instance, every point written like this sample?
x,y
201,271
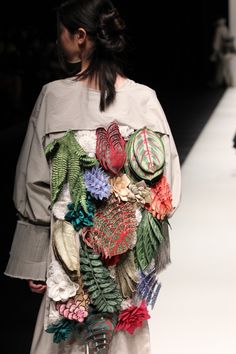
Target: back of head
x,y
105,29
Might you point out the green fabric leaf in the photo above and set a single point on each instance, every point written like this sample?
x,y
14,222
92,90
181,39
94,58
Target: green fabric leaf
x,y
69,160
127,275
97,331
149,237
100,293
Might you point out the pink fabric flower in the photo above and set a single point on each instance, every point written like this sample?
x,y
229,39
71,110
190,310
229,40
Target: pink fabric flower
x,y
161,197
72,309
132,318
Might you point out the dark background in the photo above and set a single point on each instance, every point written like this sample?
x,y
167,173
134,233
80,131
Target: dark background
x,y
170,49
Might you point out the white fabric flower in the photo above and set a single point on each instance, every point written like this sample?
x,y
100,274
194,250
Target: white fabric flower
x,y
138,215
126,131
59,209
59,285
53,315
87,140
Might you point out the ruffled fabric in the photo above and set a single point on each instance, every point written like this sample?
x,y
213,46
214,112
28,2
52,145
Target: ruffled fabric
x,y
59,285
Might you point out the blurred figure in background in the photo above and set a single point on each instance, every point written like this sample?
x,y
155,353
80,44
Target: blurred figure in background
x,y
223,51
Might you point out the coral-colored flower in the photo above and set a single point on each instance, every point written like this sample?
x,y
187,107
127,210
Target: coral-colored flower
x,y
161,197
132,318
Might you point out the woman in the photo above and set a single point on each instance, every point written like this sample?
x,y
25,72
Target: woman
x,y
96,181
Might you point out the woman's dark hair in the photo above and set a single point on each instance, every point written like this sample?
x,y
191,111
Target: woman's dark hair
x,y
105,29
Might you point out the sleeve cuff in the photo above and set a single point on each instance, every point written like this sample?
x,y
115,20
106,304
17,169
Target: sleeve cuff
x,y
29,252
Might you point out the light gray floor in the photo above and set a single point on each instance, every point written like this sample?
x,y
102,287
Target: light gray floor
x,y
196,309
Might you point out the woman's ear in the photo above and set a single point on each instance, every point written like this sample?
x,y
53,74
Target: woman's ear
x,y
81,35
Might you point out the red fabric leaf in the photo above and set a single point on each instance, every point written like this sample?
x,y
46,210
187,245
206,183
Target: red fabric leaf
x,y
110,148
114,228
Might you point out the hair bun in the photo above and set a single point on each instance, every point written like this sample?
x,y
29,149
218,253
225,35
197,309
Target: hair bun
x,y
110,31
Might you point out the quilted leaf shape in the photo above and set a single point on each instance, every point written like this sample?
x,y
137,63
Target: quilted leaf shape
x,y
145,155
65,247
114,228
110,148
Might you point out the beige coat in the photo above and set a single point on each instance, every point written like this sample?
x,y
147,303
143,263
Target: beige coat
x,y
63,105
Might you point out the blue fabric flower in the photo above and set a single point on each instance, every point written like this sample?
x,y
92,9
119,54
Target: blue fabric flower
x,y
78,217
96,181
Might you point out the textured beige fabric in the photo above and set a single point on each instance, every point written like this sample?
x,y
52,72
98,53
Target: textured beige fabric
x,y
122,342
63,105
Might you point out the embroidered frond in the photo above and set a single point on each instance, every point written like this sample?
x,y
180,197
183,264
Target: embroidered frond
x,y
126,275
68,163
59,170
114,227
96,278
50,148
149,237
149,287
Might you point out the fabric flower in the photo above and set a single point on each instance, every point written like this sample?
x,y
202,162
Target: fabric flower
x,y
96,181
73,309
132,318
62,330
126,131
120,187
138,215
59,209
161,197
59,285
79,218
141,194
87,140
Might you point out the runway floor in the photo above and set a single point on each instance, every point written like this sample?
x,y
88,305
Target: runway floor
x,y
196,309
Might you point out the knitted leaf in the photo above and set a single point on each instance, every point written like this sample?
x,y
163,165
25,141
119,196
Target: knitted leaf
x,y
114,228
98,331
149,287
149,237
110,148
68,161
100,286
59,170
126,275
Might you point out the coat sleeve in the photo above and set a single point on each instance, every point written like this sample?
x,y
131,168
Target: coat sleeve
x,y
31,196
172,169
